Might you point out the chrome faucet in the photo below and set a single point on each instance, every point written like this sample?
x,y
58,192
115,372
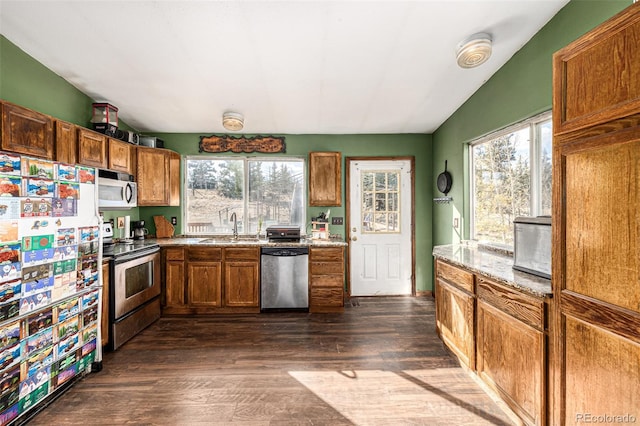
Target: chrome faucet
x,y
235,225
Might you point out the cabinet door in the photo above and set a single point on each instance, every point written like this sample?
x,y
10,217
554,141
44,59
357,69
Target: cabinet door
x,y
92,148
511,360
120,156
325,180
241,284
174,178
104,323
174,284
26,132
455,312
205,284
595,78
153,166
66,142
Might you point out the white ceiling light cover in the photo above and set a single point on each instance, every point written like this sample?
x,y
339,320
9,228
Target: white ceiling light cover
x,y
474,50
232,121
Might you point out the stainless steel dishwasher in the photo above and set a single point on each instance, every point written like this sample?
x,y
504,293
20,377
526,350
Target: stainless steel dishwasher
x,y
284,278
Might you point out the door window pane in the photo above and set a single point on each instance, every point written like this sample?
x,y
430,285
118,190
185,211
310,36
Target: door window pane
x,y
380,202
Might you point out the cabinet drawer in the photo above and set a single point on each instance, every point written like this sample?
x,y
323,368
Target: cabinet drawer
x,y
327,281
326,296
523,307
242,253
455,275
174,254
321,268
333,254
205,254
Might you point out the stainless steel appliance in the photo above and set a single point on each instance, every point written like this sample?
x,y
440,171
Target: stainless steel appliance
x,y
283,233
134,290
150,141
116,191
532,245
284,278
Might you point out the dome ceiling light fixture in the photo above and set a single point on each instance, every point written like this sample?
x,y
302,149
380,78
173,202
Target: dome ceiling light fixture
x,y
474,50
232,121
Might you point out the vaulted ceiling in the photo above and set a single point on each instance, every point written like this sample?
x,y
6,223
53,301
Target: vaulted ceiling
x,y
295,67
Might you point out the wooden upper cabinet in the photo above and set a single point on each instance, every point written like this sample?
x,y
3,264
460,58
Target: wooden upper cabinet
x,y
174,178
325,179
26,132
596,77
120,156
153,171
66,142
92,148
158,172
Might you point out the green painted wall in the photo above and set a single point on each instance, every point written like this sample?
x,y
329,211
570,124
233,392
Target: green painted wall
x,y
26,82
520,89
416,145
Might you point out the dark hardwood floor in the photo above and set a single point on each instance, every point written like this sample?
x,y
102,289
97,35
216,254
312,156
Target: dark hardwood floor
x,y
379,363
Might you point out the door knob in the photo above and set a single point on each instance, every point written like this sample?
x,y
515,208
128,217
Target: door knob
x,y
354,238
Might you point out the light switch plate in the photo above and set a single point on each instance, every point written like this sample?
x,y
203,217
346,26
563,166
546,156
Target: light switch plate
x,y
337,220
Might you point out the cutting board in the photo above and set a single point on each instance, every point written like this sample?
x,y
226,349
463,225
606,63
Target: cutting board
x,y
164,228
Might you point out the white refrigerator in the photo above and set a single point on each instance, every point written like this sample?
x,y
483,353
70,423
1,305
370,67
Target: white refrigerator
x,y
50,280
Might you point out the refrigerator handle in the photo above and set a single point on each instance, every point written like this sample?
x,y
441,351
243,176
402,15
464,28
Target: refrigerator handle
x,y
128,193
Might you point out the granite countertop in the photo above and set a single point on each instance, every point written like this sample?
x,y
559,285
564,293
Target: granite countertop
x,y
243,242
493,264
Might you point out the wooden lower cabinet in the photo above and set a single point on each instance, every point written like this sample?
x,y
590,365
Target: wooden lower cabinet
x,y
174,278
209,280
499,332
204,283
455,311
326,279
242,277
511,349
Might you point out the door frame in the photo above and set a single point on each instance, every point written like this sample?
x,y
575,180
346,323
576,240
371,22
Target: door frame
x,y
348,161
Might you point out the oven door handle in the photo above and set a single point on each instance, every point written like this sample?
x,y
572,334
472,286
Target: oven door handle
x,y
135,255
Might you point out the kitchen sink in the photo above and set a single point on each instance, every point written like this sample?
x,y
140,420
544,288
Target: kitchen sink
x,y
227,239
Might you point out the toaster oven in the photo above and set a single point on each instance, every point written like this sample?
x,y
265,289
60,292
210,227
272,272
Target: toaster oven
x,y
532,245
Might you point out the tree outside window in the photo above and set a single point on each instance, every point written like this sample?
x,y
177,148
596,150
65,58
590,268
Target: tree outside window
x,y
511,177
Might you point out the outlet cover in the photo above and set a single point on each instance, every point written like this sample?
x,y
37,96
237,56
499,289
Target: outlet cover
x,y
120,222
337,220
174,220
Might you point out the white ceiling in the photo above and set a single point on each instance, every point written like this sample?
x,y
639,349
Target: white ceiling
x,y
290,67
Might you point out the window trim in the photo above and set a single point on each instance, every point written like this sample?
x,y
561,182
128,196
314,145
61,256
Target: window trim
x,y
245,188
534,152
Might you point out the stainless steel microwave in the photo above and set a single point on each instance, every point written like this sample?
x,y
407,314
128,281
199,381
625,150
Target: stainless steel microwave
x,y
532,245
116,191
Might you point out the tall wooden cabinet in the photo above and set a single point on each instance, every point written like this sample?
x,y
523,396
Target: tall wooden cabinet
x,y
596,228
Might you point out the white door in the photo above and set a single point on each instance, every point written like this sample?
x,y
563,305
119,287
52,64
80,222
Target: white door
x,y
380,227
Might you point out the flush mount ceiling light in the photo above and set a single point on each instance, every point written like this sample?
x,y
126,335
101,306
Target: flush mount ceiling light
x,y
232,121
474,50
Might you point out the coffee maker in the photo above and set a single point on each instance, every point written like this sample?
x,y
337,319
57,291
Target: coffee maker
x,y
139,231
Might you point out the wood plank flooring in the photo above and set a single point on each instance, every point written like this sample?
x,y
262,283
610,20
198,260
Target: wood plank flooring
x,y
379,363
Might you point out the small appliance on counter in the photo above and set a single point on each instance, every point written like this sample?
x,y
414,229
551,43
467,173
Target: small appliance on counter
x,y
532,245
283,233
139,231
